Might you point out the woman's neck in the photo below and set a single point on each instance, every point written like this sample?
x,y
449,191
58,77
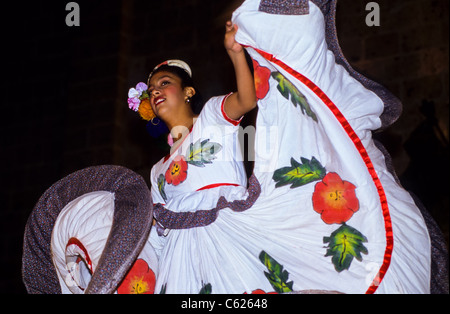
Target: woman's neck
x,y
181,126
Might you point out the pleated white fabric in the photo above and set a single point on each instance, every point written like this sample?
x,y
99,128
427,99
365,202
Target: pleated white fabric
x,y
330,216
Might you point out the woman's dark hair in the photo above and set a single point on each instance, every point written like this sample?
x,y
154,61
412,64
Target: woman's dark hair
x,y
186,81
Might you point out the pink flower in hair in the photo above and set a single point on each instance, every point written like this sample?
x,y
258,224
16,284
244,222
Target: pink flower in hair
x,y
135,96
133,103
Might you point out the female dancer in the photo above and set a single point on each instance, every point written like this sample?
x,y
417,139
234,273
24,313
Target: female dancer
x,y
320,212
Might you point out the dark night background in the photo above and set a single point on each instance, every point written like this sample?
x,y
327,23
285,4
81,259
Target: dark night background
x,y
65,91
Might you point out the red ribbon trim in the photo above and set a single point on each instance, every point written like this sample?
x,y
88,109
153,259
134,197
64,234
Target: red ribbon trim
x,y
224,114
76,242
212,186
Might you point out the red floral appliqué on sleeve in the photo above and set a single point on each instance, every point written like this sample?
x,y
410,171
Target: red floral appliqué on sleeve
x,y
262,75
335,199
140,279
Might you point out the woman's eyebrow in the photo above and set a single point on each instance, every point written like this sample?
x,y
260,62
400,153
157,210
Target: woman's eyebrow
x,y
162,77
165,76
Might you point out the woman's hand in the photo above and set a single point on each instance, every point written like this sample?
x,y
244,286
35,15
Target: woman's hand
x,y
244,100
230,42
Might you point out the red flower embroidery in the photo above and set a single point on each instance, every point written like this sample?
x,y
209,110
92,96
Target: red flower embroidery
x,y
140,279
262,75
335,199
260,291
177,171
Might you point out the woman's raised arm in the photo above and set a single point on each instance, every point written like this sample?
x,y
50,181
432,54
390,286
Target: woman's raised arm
x,y
244,99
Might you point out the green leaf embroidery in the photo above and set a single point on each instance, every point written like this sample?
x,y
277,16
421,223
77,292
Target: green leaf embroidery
x,y
206,289
287,89
344,244
277,277
161,185
299,174
163,289
202,152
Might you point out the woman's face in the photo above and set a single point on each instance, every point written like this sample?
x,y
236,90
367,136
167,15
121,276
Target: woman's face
x,y
166,93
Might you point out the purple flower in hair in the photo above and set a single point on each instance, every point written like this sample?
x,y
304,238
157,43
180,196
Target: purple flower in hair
x,y
140,87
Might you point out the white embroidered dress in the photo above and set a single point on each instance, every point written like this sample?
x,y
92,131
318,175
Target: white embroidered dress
x,y
329,217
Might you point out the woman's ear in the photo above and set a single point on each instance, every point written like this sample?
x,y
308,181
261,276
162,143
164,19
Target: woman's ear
x,y
189,91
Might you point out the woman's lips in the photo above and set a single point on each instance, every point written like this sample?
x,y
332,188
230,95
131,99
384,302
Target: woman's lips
x,y
158,100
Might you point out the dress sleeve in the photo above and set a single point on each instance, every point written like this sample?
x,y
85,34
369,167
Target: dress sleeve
x,y
214,112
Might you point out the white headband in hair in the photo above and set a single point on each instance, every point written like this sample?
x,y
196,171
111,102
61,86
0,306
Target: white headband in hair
x,y
175,63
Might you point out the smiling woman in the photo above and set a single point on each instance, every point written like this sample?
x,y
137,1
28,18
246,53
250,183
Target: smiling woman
x,y
70,127
170,100
211,221
324,217
169,82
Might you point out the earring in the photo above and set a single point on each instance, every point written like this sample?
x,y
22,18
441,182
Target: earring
x,y
156,127
188,100
157,121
